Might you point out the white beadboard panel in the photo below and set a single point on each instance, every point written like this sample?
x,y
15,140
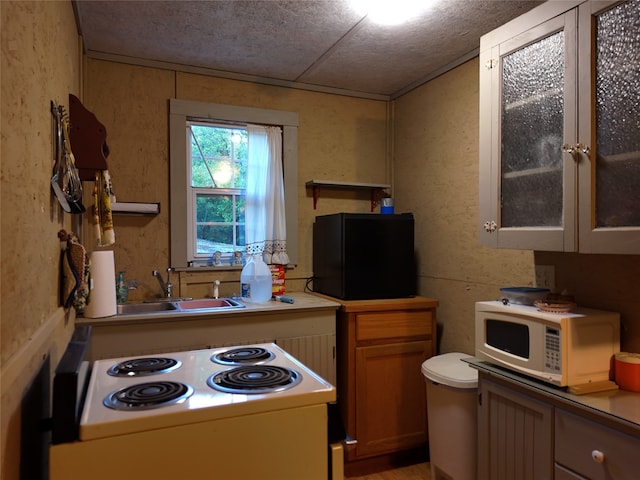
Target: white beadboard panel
x,y
316,351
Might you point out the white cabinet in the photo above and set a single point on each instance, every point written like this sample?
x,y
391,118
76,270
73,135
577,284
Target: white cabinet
x,y
515,435
529,432
560,129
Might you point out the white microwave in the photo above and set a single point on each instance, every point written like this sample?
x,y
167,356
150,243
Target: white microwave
x,y
564,349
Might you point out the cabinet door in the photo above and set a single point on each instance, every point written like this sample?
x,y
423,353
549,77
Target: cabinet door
x,y
390,398
515,435
609,127
527,113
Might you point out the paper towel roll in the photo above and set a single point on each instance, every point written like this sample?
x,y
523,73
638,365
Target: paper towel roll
x,y
102,294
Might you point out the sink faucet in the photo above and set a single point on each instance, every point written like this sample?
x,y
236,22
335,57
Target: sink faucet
x,y
216,286
167,287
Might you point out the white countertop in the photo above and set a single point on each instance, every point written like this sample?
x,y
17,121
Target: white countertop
x,y
302,302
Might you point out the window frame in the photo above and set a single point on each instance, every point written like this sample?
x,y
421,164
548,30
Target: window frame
x,y
182,111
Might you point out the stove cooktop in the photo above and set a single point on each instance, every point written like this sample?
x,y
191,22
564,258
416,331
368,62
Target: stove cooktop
x,y
195,386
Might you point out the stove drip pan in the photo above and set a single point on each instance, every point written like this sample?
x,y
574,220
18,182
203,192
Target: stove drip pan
x,y
251,379
139,367
243,356
146,396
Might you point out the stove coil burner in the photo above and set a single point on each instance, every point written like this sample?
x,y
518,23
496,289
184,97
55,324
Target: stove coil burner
x,y
243,355
146,396
139,367
251,379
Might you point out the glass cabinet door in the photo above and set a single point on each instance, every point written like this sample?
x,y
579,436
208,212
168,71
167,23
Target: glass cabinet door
x,y
533,76
609,128
531,128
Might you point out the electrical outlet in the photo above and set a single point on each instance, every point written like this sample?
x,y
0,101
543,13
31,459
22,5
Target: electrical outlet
x,y
546,276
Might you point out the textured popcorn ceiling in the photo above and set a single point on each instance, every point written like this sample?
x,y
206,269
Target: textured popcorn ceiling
x,y
314,42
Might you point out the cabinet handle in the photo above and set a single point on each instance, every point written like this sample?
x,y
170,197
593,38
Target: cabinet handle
x,y
576,149
597,456
571,150
583,149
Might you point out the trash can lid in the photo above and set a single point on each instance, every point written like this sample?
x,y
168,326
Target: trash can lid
x,y
449,370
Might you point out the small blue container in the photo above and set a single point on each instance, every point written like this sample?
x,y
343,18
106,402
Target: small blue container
x,y
386,206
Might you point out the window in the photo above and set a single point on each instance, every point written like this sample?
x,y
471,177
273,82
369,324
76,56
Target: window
x,y
208,164
217,160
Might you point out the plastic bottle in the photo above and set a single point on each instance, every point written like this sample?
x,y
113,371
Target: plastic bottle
x,y
122,291
255,280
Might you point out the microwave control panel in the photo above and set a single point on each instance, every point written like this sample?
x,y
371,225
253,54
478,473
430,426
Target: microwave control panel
x,y
552,360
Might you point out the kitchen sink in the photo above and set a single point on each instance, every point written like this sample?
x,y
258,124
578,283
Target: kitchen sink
x,y
150,307
209,304
180,305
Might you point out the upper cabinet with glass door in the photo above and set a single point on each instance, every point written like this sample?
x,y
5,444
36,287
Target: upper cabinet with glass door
x,y
543,185
609,126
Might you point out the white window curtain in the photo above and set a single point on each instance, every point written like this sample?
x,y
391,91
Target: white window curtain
x,y
265,230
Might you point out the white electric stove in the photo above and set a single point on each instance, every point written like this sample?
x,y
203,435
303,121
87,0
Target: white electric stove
x,y
233,412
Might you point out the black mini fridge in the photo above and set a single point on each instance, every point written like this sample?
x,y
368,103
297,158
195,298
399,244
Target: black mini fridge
x,y
362,256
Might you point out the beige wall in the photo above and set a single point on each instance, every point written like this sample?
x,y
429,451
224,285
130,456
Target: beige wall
x,y
436,177
339,138
40,62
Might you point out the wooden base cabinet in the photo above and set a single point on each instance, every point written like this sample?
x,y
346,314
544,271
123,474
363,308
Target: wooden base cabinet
x,y
390,403
381,390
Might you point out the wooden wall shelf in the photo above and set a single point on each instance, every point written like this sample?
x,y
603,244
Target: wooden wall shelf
x,y
135,208
377,189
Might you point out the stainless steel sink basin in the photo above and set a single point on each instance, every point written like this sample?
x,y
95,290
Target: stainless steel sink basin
x,y
209,304
179,305
151,307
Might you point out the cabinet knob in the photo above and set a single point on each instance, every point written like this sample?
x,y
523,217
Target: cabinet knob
x,y
490,226
597,456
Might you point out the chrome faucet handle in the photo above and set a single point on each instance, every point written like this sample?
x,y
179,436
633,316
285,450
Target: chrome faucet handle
x,y
169,286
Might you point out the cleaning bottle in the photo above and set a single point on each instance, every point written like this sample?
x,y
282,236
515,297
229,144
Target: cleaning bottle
x,y
122,291
255,280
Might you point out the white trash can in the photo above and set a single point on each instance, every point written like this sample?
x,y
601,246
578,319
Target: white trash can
x,y
452,387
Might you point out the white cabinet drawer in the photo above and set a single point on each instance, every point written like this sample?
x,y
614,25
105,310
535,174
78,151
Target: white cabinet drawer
x,y
594,451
